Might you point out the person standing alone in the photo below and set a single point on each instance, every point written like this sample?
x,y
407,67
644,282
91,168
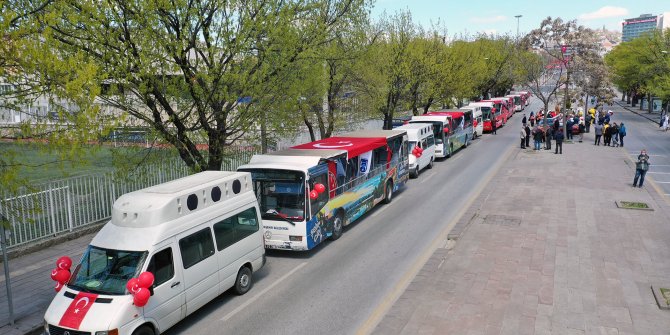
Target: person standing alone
x,y
494,124
527,128
558,136
641,167
622,133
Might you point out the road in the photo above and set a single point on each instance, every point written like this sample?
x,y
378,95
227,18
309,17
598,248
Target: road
x,y
645,134
336,287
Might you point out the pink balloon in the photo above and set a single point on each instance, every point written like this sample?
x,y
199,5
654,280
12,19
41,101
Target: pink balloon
x,y
64,263
133,285
313,194
146,279
53,274
141,297
62,276
319,188
58,287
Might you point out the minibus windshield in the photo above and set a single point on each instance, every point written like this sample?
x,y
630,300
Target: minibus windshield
x,y
106,271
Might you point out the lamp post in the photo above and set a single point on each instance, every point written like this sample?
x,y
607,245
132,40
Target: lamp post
x,y
517,24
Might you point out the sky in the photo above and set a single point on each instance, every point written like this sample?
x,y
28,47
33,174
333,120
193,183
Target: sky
x,y
498,17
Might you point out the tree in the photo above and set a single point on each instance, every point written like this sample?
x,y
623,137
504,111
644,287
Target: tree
x,y
193,71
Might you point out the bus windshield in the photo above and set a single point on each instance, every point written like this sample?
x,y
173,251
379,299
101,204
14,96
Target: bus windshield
x,y
280,193
486,113
106,271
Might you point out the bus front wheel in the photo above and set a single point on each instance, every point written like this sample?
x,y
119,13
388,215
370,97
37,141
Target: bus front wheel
x,y
465,145
388,195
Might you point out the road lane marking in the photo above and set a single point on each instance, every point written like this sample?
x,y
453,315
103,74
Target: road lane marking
x,y
265,290
387,302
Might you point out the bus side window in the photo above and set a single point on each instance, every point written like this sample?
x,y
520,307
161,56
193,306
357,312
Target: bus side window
x,y
322,199
235,228
161,266
430,141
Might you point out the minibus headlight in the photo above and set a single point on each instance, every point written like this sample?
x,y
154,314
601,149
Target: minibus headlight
x,y
108,332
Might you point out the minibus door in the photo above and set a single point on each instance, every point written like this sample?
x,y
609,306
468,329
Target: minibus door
x,y
166,305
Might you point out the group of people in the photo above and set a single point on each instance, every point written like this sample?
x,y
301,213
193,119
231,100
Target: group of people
x,y
612,134
543,134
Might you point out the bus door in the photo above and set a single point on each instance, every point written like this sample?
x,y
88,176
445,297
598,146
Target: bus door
x,y
317,227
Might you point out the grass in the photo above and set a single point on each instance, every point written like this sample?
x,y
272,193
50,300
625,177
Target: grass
x,y
666,295
34,162
637,205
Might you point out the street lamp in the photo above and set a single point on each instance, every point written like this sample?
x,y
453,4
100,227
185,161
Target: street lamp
x,y
517,24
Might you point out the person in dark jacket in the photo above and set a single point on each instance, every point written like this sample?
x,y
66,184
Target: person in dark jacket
x,y
527,135
641,167
548,136
568,127
494,124
559,141
523,121
538,134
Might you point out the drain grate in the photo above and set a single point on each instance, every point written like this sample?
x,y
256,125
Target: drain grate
x,y
502,220
634,205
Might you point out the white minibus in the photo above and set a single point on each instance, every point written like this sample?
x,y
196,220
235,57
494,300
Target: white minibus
x,y
420,135
477,120
199,236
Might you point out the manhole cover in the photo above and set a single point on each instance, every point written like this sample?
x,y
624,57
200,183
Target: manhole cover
x,y
634,205
502,220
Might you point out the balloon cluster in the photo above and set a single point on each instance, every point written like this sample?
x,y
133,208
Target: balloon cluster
x,y
139,288
417,152
318,189
61,274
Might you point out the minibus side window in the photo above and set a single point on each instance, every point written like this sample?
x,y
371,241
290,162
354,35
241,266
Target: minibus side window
x,y
235,228
431,141
161,266
196,247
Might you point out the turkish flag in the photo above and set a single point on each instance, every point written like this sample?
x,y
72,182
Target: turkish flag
x,y
77,310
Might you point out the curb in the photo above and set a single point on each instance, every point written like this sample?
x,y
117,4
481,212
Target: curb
x,y
633,110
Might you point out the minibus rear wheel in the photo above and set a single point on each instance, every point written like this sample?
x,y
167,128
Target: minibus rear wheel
x,y
338,226
144,330
243,281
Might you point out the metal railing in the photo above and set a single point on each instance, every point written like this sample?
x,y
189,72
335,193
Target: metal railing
x,y
63,206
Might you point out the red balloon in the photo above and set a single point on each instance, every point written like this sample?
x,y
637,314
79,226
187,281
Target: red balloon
x,y
418,154
319,188
53,274
62,276
141,297
313,194
58,287
133,285
146,279
64,263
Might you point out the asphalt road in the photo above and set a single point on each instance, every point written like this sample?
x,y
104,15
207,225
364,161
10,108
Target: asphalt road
x,y
338,286
645,134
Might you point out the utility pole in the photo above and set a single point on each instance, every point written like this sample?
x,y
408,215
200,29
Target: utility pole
x,y
517,25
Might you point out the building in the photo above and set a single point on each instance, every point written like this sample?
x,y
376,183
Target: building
x,y
635,27
664,21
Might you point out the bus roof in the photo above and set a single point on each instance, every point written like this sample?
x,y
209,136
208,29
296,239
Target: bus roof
x,y
283,162
389,134
454,113
353,145
323,153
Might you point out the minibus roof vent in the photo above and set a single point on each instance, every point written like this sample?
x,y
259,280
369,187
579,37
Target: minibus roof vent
x,y
163,203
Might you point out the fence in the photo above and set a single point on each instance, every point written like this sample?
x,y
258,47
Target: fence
x,y
63,206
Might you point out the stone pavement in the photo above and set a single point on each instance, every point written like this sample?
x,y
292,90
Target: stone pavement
x,y
32,287
545,250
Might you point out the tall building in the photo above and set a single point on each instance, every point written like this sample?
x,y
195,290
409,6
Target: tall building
x,y
635,27
664,21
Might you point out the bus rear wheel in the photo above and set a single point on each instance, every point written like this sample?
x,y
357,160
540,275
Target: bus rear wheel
x,y
338,226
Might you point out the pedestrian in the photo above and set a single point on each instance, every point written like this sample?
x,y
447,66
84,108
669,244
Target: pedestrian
x,y
581,131
527,135
568,127
607,136
641,167
587,123
559,141
538,134
615,135
598,129
608,116
531,119
523,137
666,120
548,136
494,124
523,121
622,133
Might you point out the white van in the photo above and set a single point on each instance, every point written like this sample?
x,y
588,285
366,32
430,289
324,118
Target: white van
x,y
420,135
199,236
477,120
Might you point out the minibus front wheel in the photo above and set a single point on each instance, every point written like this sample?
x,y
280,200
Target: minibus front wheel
x,y
338,225
388,194
144,330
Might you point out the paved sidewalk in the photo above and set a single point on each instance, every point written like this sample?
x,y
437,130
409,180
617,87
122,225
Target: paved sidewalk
x,y
545,250
32,287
